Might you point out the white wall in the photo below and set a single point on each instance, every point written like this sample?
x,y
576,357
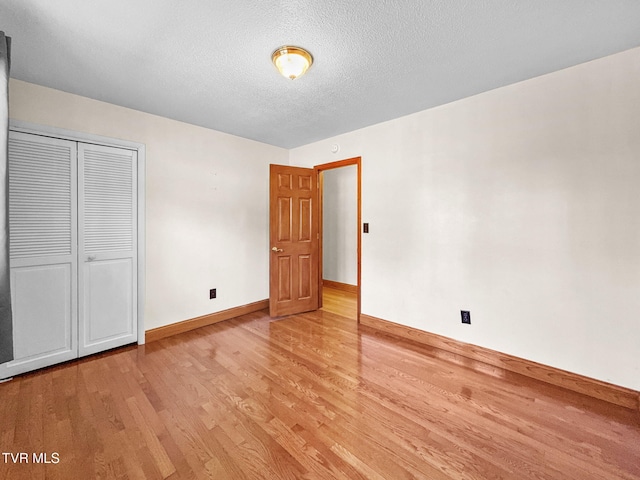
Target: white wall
x,y
522,205
206,202
340,225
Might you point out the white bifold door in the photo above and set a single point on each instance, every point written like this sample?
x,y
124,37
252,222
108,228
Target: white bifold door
x,y
107,247
73,249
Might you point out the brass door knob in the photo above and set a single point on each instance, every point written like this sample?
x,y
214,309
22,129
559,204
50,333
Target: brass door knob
x,y
276,249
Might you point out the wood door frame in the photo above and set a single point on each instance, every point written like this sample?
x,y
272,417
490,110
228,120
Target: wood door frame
x,y
357,161
83,137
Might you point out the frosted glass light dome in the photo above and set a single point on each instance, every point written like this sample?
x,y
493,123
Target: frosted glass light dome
x,y
291,62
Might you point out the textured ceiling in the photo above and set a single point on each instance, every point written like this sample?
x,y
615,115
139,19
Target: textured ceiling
x,y
207,62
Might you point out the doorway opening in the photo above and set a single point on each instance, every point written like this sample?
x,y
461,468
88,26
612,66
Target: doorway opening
x,y
340,239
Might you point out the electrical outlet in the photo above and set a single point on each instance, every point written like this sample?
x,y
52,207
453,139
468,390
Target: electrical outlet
x,y
466,316
212,293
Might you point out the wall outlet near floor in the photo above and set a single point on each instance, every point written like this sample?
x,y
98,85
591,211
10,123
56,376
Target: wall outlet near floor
x,y
466,316
212,293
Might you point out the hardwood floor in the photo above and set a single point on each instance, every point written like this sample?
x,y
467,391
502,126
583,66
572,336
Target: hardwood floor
x,y
307,396
340,302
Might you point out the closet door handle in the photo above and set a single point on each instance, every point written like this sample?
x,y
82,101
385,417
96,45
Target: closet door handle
x,y
91,258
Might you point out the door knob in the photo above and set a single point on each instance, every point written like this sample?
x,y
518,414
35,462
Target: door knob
x,y
276,249
91,258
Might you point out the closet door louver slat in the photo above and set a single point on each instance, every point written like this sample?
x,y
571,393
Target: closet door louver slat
x,y
40,189
108,200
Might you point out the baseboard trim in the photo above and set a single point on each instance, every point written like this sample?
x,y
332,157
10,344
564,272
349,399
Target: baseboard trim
x,y
187,325
346,287
608,392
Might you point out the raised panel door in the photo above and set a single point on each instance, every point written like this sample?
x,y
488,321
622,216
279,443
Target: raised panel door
x,y
294,240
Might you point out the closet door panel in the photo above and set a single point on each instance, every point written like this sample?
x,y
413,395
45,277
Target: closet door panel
x,y
43,307
108,300
107,247
43,251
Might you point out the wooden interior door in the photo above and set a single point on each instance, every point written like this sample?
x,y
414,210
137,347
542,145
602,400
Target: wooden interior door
x,y
294,236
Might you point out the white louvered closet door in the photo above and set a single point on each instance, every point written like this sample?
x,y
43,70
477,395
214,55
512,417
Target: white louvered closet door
x,y
43,230
107,245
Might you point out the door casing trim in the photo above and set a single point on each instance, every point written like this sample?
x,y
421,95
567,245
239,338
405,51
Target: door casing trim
x,y
357,161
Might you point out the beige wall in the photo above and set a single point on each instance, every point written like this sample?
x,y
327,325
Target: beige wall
x,y
521,205
206,201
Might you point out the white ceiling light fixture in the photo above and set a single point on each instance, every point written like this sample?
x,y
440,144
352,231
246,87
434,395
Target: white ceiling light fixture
x,y
291,62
